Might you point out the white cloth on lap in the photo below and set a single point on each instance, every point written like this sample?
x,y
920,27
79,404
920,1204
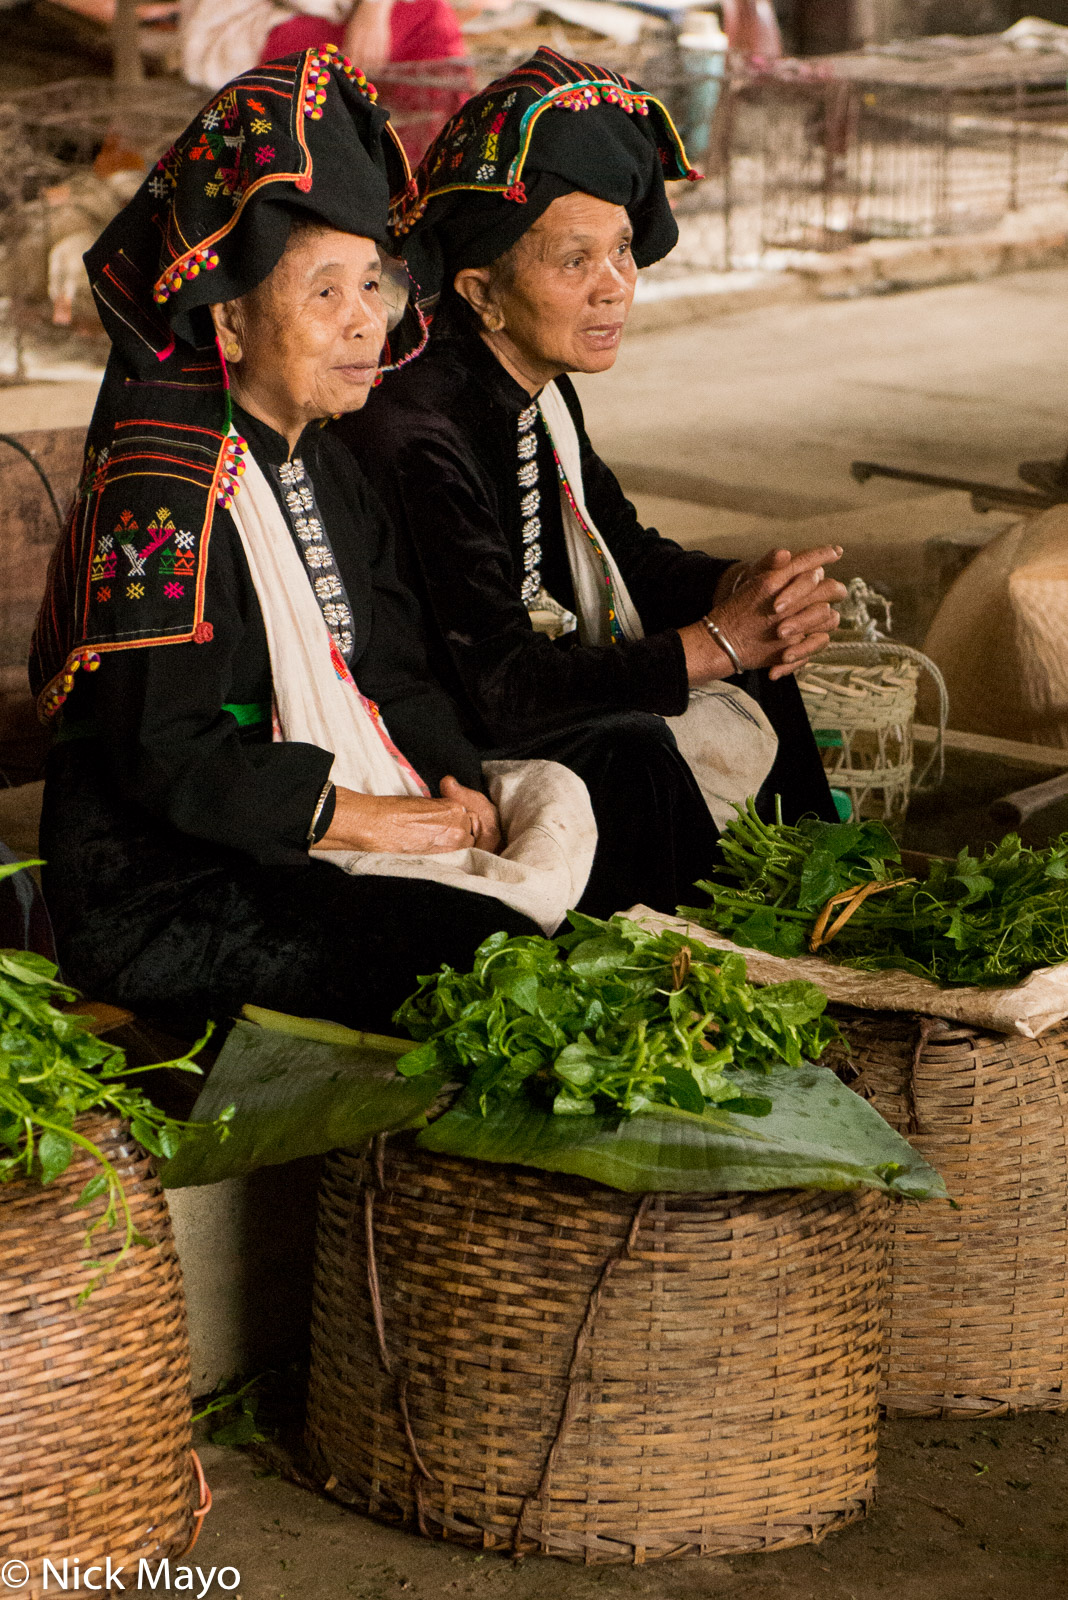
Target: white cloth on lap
x,y
546,816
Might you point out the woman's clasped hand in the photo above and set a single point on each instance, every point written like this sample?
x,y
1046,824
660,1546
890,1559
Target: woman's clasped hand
x,y
775,613
414,824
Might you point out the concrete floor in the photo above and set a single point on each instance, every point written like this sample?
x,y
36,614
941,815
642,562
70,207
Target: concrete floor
x,y
760,413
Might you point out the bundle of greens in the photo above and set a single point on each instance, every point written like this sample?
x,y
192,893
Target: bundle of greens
x,y
978,920
638,1060
52,1070
608,1017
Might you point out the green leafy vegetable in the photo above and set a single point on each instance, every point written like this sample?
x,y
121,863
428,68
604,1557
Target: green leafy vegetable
x,y
52,1070
608,1017
985,920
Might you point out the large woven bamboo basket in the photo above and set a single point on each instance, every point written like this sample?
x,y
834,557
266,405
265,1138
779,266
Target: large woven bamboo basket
x,y
979,1296
528,1361
95,1428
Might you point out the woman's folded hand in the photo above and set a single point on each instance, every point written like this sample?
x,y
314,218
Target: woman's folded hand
x,y
775,613
412,825
483,813
407,824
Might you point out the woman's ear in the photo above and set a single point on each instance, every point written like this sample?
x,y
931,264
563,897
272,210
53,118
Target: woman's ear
x,y
227,319
473,284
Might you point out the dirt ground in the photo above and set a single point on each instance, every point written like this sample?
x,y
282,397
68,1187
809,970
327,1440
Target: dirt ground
x,y
966,1511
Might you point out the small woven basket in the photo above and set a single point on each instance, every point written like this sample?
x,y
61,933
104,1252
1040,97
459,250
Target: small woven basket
x,y
861,701
979,1297
95,1429
524,1360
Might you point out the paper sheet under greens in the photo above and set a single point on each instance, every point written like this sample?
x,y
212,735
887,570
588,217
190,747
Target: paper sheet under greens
x,y
1027,1008
302,1088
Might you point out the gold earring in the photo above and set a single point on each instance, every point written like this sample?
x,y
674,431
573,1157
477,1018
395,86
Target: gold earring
x,y
493,321
232,350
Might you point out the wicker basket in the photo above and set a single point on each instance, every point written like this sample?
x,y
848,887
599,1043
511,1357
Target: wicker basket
x,y
861,701
546,1364
979,1297
95,1428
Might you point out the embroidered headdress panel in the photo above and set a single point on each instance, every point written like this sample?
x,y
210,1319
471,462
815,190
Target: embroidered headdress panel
x,y
548,128
303,134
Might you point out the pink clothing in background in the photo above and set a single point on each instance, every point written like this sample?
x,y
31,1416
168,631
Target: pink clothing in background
x,y
420,30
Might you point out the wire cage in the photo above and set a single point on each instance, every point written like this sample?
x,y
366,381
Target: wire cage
x,y
844,162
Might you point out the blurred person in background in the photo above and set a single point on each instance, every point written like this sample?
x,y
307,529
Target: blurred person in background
x,y
222,38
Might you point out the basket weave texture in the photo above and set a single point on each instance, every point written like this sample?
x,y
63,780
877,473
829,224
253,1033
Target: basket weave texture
x,y
867,695
595,1375
979,1297
95,1430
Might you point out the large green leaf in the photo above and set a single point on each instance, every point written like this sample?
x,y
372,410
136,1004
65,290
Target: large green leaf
x,y
294,1096
818,1135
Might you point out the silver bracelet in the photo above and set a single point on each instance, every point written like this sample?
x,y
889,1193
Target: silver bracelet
x,y
724,643
317,813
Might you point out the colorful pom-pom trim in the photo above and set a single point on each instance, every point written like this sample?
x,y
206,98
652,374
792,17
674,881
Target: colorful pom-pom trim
x,y
231,469
318,79
184,269
61,688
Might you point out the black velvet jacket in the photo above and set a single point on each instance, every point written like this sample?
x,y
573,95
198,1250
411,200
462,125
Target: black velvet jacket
x,y
438,442
176,751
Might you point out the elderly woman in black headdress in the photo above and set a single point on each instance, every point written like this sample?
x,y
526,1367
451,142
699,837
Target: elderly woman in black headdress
x,y
224,642
532,213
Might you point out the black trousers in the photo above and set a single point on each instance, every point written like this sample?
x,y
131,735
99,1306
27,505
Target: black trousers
x,y
180,931
656,837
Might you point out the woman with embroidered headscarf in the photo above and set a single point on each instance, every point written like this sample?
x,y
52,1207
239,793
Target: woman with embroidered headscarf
x,y
530,216
224,643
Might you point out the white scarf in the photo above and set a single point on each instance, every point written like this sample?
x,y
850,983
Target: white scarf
x,y
546,816
723,734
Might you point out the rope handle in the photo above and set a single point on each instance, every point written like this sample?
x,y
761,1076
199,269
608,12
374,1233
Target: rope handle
x,y
871,652
204,1507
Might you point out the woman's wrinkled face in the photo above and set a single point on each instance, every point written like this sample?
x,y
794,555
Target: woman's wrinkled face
x,y
563,293
309,337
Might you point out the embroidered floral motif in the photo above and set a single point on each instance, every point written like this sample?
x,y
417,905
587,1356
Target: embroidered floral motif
x,y
260,124
485,171
174,591
185,539
264,154
299,500
103,594
298,495
135,591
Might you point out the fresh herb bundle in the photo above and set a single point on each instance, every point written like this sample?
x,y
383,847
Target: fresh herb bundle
x,y
981,920
609,1017
52,1070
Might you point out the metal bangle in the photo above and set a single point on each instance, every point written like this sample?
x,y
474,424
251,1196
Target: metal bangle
x,y
328,789
724,643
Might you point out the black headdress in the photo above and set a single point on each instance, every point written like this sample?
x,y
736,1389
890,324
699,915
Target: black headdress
x,y
508,154
301,135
